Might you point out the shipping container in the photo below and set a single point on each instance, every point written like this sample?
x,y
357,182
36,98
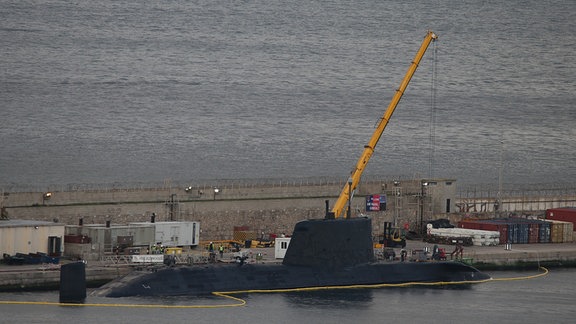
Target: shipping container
x,y
561,232
538,230
78,239
566,214
533,232
544,233
517,230
513,233
528,229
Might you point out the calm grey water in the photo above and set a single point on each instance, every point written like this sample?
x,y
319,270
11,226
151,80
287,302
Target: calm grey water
x,y
548,299
143,91
108,91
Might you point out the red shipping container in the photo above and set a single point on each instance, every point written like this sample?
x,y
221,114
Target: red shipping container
x,y
469,224
566,214
78,239
534,232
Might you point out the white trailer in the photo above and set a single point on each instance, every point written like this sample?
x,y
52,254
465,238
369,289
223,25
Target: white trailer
x,y
176,233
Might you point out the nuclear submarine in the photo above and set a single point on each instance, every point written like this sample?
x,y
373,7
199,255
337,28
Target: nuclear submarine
x,y
321,253
328,252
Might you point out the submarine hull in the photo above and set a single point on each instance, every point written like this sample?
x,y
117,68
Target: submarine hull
x,y
200,280
321,253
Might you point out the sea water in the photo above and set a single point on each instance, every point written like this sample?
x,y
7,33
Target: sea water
x,y
147,91
546,299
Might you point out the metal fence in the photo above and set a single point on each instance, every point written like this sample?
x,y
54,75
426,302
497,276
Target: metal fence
x,y
199,183
516,190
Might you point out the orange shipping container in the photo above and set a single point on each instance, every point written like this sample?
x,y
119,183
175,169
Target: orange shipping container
x,y
561,232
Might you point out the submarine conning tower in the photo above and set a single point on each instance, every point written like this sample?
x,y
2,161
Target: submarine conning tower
x,y
331,243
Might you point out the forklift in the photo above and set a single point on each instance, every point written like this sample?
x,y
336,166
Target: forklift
x,y
393,236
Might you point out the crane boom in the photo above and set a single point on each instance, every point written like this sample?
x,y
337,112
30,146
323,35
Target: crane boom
x,y
356,174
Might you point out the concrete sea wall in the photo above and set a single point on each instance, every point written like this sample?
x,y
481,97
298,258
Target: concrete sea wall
x,y
268,208
275,206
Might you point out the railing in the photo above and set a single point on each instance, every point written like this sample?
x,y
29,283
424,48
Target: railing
x,y
515,198
168,184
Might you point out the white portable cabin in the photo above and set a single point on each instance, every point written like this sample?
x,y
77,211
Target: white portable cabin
x,y
280,247
31,236
175,233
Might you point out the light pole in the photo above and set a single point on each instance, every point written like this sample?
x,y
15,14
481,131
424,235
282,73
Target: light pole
x,y
498,200
422,200
397,193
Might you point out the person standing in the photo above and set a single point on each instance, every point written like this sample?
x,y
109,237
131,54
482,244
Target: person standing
x,y
211,252
458,250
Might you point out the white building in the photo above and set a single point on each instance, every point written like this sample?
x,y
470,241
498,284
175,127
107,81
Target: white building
x,y
30,236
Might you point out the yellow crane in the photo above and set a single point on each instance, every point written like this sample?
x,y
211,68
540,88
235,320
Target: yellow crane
x,y
345,195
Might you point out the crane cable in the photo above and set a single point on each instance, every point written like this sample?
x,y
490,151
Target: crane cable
x,y
242,302
433,91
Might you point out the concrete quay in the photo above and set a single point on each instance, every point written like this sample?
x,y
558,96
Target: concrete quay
x,y
518,256
523,255
47,277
